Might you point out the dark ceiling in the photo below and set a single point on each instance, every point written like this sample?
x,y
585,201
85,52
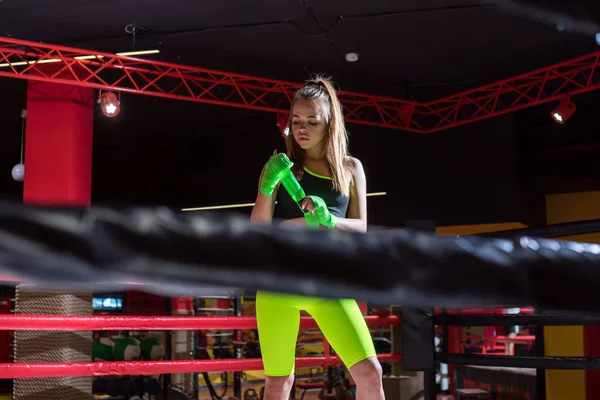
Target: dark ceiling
x,y
400,42
165,152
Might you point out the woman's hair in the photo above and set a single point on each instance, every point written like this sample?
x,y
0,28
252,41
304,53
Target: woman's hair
x,y
321,89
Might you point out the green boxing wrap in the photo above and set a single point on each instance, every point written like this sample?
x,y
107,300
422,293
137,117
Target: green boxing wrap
x,y
312,221
275,169
278,169
322,213
290,183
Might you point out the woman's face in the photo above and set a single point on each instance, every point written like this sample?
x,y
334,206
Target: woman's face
x,y
309,126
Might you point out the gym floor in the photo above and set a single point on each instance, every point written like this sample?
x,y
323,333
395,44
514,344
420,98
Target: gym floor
x,y
310,395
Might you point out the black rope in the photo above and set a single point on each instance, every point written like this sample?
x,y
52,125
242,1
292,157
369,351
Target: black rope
x,y
557,319
571,363
550,231
183,253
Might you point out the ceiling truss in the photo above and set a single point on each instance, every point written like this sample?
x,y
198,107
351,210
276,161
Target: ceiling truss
x,y
49,63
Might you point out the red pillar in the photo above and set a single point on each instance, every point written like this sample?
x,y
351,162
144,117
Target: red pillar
x,y
58,145
58,171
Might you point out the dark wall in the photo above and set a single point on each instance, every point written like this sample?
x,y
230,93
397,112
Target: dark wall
x,y
459,176
184,154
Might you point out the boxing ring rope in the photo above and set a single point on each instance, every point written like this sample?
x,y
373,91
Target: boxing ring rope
x,y
538,319
109,322
551,231
51,370
75,323
176,254
179,254
572,363
482,311
547,319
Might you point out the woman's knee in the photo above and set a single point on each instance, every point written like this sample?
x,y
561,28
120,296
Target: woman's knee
x,y
367,372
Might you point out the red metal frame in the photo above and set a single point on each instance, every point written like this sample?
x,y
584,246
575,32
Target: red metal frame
x,y
543,85
154,78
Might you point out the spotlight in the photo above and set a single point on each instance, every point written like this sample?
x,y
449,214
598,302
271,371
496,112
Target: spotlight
x,y
564,110
282,124
111,106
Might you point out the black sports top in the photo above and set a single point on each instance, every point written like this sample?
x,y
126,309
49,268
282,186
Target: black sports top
x,y
316,185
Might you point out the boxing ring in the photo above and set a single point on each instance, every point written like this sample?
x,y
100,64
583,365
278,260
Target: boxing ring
x,y
171,253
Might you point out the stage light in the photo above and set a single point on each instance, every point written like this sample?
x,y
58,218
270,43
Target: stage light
x,y
282,124
563,111
111,106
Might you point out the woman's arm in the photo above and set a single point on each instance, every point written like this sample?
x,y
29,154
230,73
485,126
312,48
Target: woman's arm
x,y
357,209
264,205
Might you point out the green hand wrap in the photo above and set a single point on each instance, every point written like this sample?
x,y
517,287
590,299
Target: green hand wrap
x,y
322,213
290,183
275,169
278,169
312,221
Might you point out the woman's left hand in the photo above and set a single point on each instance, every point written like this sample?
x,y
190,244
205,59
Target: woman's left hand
x,y
308,205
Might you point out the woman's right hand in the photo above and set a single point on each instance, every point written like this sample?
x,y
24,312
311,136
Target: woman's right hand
x,y
273,168
267,185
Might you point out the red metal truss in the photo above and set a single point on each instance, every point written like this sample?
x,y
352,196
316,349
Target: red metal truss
x,y
547,84
28,60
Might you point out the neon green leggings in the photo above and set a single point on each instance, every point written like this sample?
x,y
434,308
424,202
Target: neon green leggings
x,y
278,318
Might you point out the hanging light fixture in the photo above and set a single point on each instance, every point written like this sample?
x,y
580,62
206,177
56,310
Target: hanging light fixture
x,y
564,110
18,171
111,105
282,124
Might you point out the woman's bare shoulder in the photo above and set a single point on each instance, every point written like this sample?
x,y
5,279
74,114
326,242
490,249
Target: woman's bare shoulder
x,y
353,164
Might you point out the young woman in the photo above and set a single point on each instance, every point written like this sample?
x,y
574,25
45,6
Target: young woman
x,y
335,184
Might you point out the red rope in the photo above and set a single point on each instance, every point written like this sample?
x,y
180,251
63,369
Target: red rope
x,y
54,370
111,322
